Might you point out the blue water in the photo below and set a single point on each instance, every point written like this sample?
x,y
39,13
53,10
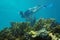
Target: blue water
x,y
9,10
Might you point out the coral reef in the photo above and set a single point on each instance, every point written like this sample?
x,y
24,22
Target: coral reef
x,y
43,29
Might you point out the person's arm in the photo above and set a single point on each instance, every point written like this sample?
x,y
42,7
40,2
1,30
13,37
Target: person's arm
x,y
34,9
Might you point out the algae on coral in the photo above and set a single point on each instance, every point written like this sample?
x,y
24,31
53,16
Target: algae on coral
x,y
41,30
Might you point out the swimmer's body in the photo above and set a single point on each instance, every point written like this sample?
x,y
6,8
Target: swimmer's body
x,y
28,15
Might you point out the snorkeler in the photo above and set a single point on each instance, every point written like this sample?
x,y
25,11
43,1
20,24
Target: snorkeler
x,y
29,12
28,15
33,10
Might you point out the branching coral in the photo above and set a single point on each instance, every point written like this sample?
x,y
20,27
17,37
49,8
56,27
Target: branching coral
x,y
43,29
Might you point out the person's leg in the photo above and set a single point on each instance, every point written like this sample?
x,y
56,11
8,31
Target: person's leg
x,y
32,21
